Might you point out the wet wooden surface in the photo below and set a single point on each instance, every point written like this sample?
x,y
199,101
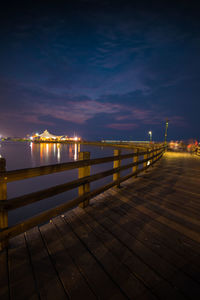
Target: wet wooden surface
x,y
141,241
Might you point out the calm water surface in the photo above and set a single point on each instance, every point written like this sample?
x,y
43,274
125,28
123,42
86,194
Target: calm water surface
x,y
21,155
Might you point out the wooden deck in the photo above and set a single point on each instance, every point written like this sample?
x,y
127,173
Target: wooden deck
x,y
138,242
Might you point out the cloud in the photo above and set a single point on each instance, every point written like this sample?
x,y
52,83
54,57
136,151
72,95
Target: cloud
x,y
80,111
23,117
38,105
178,121
77,112
122,126
122,117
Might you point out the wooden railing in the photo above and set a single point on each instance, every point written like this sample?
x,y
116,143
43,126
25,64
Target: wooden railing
x,y
198,151
149,157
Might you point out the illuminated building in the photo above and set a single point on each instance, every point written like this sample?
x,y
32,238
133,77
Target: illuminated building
x,y
46,136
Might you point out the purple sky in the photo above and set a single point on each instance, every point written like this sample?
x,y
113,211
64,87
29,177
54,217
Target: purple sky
x,y
100,69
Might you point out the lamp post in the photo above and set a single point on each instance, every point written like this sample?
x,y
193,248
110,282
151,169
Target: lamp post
x,y
150,136
166,127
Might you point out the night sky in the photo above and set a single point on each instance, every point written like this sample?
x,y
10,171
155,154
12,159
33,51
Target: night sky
x,y
100,69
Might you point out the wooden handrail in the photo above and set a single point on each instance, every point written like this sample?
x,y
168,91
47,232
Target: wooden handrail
x,y
30,198
21,174
150,156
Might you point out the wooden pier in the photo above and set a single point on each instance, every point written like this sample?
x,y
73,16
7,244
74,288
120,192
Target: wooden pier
x,y
139,241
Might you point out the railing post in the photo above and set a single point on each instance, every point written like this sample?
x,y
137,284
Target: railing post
x,y
145,156
3,196
116,164
198,150
156,153
150,156
83,172
135,160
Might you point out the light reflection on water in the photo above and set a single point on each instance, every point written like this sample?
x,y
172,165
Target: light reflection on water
x,y
49,151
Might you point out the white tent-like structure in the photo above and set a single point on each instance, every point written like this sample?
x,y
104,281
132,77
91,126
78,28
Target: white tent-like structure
x,y
47,135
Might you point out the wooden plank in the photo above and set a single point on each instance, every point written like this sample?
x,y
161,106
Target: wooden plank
x,y
4,285
47,280
69,274
189,288
183,276
132,262
134,203
151,187
175,215
169,195
170,223
181,244
176,173
192,269
138,229
158,205
147,295
148,186
119,231
21,277
119,273
177,201
146,255
181,185
156,241
164,290
97,278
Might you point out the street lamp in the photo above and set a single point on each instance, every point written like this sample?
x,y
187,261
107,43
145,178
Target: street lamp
x,y
166,127
150,136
